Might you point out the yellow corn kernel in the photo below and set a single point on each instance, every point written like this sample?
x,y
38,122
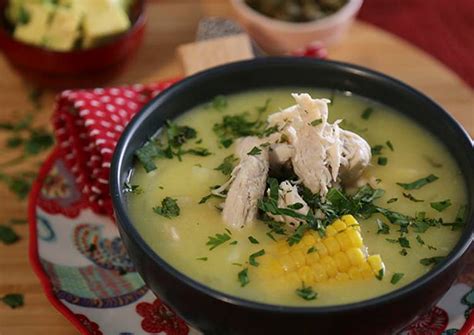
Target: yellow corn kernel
x,y
366,270
375,262
298,258
312,258
342,261
308,240
354,273
330,265
356,256
339,225
342,276
306,274
321,248
330,231
349,220
332,244
319,273
344,240
287,263
355,237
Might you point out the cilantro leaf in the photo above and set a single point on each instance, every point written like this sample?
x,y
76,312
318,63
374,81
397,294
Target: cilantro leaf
x,y
169,208
389,145
311,250
243,277
389,201
306,292
431,261
404,242
255,151
380,274
13,300
227,165
367,113
419,183
135,189
411,197
253,240
252,257
382,161
441,205
219,103
8,235
201,259
217,240
396,277
383,228
316,122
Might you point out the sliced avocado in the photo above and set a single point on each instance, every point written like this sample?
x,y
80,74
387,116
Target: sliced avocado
x,y
63,30
33,32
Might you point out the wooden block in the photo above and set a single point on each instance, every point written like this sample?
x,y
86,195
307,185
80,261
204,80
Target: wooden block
x,y
202,55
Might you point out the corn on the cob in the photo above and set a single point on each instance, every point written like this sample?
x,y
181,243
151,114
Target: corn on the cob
x,y
339,255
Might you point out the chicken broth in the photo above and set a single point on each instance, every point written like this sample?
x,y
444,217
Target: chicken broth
x,y
172,209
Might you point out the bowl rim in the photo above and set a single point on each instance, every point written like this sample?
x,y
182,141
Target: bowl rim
x,y
343,14
136,25
127,227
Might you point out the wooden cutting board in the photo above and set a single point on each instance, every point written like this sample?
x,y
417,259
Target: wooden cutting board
x,y
172,23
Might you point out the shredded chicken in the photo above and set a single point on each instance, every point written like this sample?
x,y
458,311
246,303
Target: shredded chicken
x,y
248,181
288,195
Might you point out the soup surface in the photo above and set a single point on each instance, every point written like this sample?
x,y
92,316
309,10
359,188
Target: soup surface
x,y
402,152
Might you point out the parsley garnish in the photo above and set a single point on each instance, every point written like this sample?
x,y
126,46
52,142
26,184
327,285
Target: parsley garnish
x,y
147,154
8,235
227,165
404,242
367,113
219,103
380,274
389,145
201,259
419,183
460,218
217,240
376,150
169,208
432,260
403,252
13,300
441,205
255,151
243,277
19,184
253,240
382,160
252,257
311,250
198,151
383,228
316,122
233,242
396,277
389,201
411,197
306,292
420,240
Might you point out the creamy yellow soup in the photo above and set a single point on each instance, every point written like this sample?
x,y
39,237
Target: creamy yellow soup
x,y
181,240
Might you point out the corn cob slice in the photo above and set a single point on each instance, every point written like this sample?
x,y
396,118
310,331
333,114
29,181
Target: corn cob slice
x,y
338,256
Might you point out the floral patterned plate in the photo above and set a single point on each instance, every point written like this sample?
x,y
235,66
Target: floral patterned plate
x,y
87,275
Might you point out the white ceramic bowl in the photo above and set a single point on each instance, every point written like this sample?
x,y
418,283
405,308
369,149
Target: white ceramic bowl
x,y
280,37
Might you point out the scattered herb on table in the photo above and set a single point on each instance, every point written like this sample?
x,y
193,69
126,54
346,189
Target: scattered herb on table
x,y
306,292
243,277
169,208
8,235
19,184
411,197
419,183
13,300
441,205
367,113
252,257
217,240
227,165
396,277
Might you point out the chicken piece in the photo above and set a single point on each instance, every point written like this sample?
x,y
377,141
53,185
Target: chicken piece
x,y
280,155
248,183
288,195
358,155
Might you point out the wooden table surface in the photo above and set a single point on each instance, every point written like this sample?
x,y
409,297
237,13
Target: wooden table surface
x,y
171,23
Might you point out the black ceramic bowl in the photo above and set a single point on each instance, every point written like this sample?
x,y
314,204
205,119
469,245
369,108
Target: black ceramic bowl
x,y
214,312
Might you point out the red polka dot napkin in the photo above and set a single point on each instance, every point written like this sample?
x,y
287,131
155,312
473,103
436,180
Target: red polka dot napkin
x,y
88,124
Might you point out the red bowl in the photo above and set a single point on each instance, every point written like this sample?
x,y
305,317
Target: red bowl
x,y
78,68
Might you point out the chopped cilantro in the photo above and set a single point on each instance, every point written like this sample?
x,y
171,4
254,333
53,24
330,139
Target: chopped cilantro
x,y
13,300
233,243
254,152
296,205
169,208
217,240
227,165
432,260
411,197
380,274
403,252
296,237
198,151
383,228
253,240
306,292
205,198
135,189
382,160
201,259
376,150
404,242
460,218
219,103
237,264
178,135
243,277
419,183
252,260
147,154
316,122
396,277
389,201
441,205
311,250
367,113
227,142
8,235
389,145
